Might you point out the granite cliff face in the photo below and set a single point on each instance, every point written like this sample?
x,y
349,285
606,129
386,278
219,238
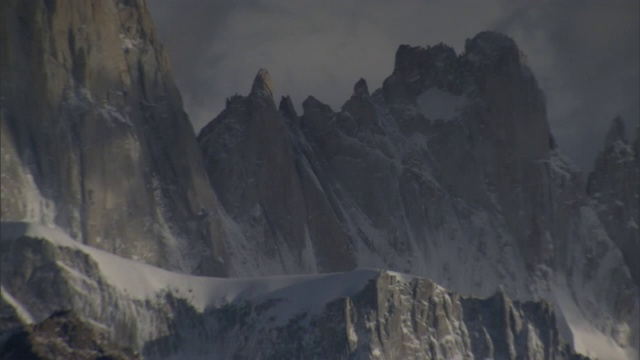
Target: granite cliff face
x,y
94,137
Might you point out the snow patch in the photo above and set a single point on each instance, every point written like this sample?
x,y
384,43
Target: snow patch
x,y
581,333
436,104
128,43
110,114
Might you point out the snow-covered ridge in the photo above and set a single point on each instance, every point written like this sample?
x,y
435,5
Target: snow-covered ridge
x,y
144,282
156,304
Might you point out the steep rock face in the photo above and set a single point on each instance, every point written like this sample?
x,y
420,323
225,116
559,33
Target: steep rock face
x,y
450,171
614,186
502,143
363,314
265,182
94,138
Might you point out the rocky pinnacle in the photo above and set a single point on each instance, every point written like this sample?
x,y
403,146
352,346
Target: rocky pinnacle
x,y
262,84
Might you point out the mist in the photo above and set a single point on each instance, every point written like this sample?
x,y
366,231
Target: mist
x,y
585,54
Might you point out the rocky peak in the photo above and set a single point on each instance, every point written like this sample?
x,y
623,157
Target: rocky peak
x,y
490,47
311,104
359,114
281,211
287,109
361,89
262,85
418,68
410,59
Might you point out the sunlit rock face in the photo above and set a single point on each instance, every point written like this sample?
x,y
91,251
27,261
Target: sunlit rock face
x,y
94,136
614,187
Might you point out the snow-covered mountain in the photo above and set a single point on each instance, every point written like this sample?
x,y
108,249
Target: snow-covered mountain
x,y
112,208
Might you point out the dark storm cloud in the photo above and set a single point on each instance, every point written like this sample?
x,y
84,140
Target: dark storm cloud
x,y
582,52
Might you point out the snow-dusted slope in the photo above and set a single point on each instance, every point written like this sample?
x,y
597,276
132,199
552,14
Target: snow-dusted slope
x,y
362,314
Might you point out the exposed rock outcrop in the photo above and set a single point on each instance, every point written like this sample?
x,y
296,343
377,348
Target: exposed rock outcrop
x,y
94,136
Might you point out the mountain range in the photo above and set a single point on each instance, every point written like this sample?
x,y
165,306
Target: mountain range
x,y
433,218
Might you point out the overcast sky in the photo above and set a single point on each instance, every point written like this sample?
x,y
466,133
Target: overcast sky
x,y
585,53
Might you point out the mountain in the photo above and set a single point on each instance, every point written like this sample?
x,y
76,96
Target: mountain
x,y
94,137
447,177
448,171
363,314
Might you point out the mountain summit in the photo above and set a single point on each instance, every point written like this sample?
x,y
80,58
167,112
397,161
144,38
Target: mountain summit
x,y
262,85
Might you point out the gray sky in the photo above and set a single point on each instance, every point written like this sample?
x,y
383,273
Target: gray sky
x,y
585,53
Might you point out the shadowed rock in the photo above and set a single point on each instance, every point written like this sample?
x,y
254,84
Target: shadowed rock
x,y
63,335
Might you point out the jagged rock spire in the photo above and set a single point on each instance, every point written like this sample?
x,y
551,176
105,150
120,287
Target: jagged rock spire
x,y
287,109
361,88
262,84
